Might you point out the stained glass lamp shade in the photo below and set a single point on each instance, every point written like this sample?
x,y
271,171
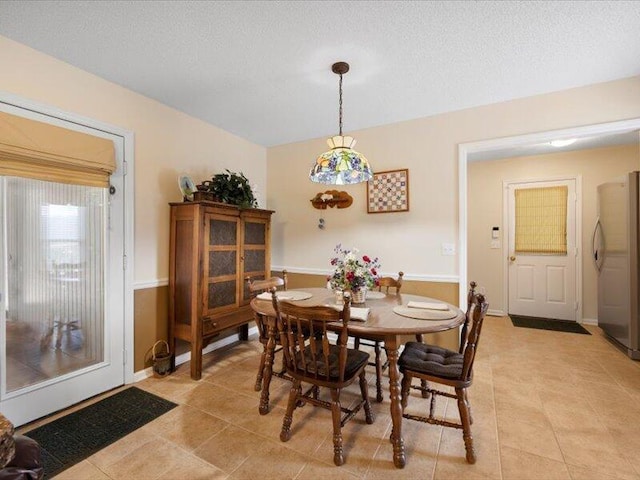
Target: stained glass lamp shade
x,y
341,165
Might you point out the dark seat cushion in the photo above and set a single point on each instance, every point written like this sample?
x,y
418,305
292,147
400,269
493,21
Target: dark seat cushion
x,y
431,360
355,360
26,464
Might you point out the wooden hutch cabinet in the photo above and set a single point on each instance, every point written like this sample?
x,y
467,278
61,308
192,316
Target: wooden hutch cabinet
x,y
214,247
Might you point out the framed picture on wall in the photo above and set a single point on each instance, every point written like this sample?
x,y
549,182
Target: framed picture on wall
x,y
388,192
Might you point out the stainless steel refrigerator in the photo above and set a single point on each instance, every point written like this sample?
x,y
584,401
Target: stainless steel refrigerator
x,y
615,252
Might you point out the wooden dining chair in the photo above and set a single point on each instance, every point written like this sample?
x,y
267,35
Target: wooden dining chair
x,y
433,364
463,331
256,287
376,342
389,282
321,359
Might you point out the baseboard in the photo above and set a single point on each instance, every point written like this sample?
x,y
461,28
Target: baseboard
x,y
590,321
185,357
496,313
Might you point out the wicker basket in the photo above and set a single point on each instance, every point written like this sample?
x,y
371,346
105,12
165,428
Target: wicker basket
x,y
359,296
200,195
161,360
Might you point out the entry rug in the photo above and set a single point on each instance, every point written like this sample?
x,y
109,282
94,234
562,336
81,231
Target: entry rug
x,y
76,436
548,324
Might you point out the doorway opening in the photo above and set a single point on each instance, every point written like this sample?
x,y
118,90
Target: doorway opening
x,y
588,137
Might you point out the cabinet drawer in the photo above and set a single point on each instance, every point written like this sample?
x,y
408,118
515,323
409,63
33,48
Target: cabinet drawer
x,y
211,325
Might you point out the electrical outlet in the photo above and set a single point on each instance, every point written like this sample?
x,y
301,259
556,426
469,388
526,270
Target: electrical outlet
x,y
448,249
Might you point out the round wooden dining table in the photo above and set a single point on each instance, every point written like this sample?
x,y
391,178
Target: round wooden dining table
x,y
382,321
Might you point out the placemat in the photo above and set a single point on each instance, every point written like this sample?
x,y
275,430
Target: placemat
x,y
429,305
374,295
292,295
424,314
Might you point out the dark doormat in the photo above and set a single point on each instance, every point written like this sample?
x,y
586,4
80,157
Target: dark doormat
x,y
548,324
76,436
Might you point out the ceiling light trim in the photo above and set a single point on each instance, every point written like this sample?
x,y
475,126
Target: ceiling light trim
x,y
564,142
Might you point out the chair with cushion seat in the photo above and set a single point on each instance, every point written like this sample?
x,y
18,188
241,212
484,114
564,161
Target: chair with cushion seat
x,y
320,359
256,287
435,364
373,341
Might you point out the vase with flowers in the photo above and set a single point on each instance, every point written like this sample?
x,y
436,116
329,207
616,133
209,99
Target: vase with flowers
x,y
353,272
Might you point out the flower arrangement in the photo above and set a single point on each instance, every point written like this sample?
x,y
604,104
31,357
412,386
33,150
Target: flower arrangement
x,y
351,271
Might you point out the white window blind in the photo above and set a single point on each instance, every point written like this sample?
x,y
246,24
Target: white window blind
x,y
42,151
55,251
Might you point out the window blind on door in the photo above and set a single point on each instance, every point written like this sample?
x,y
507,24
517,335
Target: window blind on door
x,y
541,220
55,271
40,151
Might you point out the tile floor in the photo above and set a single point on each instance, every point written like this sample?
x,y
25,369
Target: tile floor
x,y
36,354
547,405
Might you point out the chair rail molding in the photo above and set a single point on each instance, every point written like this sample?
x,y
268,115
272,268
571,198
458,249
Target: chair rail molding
x,y
407,276
160,282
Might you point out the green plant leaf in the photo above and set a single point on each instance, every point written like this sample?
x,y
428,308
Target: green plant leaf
x,y
233,188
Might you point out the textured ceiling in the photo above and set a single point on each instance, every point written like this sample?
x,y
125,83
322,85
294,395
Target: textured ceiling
x,y
261,70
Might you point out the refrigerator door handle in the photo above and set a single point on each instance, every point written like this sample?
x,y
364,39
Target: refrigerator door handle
x,y
598,256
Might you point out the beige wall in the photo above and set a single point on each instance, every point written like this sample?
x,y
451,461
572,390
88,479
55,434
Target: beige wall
x,y
486,208
167,142
151,322
428,147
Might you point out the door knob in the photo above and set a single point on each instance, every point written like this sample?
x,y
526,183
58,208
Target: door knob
x,y
512,258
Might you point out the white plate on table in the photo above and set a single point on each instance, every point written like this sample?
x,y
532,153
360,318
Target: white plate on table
x,y
290,295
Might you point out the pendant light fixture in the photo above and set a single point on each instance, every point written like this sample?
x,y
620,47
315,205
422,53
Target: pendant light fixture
x,y
341,165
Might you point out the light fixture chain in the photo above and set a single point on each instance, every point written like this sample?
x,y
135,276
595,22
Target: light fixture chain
x,y
340,103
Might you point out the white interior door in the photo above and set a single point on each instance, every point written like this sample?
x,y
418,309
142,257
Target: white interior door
x,y
542,279
62,291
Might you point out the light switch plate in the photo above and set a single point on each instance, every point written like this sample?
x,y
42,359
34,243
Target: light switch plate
x,y
495,243
448,249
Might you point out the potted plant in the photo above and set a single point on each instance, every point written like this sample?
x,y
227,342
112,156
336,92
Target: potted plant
x,y
230,187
